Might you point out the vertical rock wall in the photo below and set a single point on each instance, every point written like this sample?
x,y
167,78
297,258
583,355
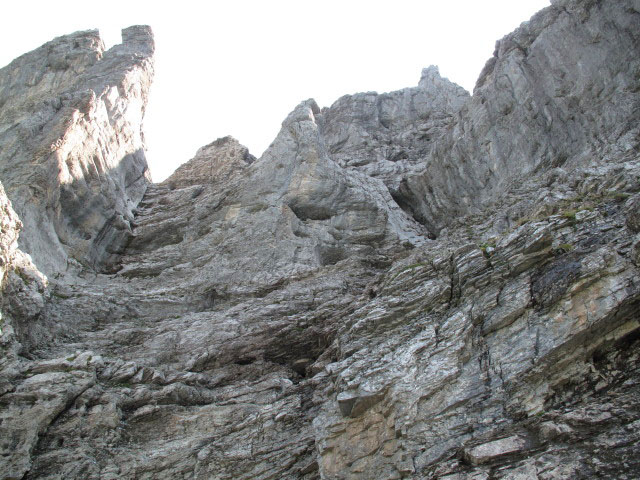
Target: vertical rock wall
x,y
561,88
72,148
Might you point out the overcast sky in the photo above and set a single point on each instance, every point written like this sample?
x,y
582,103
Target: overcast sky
x,y
239,67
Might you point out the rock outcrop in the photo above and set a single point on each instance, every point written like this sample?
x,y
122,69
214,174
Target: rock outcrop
x,y
555,94
417,284
72,148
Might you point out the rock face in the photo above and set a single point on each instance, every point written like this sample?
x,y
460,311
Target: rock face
x,y
554,95
72,149
418,284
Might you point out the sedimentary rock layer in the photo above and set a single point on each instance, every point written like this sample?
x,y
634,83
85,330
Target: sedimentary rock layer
x,y
72,148
416,284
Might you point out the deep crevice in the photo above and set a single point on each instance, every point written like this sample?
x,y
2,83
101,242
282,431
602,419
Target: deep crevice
x,y
403,200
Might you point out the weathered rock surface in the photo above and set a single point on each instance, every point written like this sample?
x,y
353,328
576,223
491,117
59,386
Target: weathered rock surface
x,y
418,284
71,145
554,94
22,305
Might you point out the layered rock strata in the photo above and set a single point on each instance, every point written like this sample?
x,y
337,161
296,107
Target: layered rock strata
x,y
72,148
419,284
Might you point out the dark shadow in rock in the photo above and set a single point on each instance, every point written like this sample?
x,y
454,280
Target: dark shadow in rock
x,y
551,281
406,200
329,254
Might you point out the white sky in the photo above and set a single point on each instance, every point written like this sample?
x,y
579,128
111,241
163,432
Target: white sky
x,y
239,67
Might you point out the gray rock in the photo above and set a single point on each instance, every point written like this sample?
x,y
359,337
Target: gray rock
x,y
490,451
418,284
633,214
72,160
553,431
443,154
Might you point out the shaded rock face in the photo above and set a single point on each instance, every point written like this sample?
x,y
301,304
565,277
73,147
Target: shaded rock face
x,y
418,284
23,304
72,149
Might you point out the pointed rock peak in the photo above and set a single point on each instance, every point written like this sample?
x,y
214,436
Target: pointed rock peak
x,y
84,45
139,38
429,74
85,39
216,160
306,110
223,144
432,80
219,142
82,40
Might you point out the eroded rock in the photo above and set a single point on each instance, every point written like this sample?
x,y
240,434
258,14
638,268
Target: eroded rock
x,y
73,160
418,284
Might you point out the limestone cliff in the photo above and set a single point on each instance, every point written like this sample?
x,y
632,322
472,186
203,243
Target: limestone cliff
x,y
71,145
419,284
